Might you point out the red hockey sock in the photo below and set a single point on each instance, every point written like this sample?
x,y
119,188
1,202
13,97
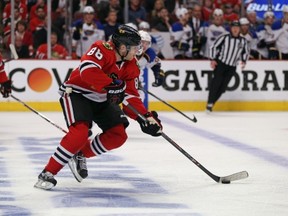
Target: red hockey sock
x,y
110,139
70,144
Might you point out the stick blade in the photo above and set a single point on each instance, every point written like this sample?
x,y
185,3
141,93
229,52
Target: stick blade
x,y
234,177
13,51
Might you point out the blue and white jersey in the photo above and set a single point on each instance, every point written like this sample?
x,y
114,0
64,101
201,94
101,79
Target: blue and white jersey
x,y
252,39
157,42
212,32
84,35
182,34
146,61
148,58
265,33
280,31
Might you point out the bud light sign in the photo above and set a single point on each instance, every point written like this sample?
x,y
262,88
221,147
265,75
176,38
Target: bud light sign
x,y
261,6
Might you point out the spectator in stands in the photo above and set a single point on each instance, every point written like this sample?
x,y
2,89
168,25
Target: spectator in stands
x,y
38,22
33,11
207,10
57,50
137,12
17,18
196,23
172,6
58,9
85,32
40,35
181,32
25,35
18,4
104,7
162,22
59,23
280,30
21,49
250,36
111,24
229,14
8,24
213,31
266,38
79,5
158,5
30,4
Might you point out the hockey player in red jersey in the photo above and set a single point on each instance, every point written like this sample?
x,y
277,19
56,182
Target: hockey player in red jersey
x,y
107,75
4,81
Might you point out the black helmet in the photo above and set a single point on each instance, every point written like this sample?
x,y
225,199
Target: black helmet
x,y
126,35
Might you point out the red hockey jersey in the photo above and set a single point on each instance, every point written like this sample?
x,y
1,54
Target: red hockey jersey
x,y
94,73
3,75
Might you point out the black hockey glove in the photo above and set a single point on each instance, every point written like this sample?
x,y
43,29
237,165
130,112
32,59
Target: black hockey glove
x,y
159,75
6,88
261,44
273,53
159,78
116,91
180,46
152,126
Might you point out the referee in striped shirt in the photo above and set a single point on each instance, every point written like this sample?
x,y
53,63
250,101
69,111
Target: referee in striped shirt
x,y
227,50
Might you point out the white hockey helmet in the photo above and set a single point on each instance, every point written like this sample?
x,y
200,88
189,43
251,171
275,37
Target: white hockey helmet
x,y
285,9
144,25
145,36
218,12
132,25
88,10
244,21
269,14
180,12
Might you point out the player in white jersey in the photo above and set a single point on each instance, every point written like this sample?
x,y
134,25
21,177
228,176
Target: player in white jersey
x,y
86,31
280,30
250,36
157,40
266,37
213,31
181,34
148,59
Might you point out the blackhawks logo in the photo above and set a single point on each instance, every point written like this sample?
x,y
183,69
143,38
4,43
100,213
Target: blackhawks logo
x,y
107,45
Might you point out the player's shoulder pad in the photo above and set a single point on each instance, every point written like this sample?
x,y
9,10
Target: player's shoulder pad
x,y
205,24
277,25
153,39
253,33
107,45
151,53
260,28
177,27
77,23
99,25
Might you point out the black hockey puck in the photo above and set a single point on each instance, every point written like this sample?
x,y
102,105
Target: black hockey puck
x,y
226,182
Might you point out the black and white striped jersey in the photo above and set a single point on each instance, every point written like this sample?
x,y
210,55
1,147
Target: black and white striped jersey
x,y
229,49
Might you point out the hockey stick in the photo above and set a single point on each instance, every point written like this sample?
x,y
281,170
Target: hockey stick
x,y
148,92
15,55
39,114
218,179
13,52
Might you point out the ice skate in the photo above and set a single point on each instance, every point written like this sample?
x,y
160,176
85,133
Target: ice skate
x,y
78,166
45,181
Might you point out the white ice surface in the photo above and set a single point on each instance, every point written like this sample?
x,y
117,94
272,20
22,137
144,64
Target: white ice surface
x,y
147,175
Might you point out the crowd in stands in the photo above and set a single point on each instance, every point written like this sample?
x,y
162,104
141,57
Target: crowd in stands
x,y
193,26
